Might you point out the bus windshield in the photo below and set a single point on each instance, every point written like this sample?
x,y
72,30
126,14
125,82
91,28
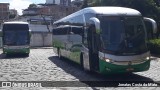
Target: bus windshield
x,y
16,37
123,35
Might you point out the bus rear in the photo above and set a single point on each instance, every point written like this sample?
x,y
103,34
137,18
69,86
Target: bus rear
x,y
16,38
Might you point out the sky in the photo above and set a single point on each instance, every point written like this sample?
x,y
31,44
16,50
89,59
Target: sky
x,y
19,5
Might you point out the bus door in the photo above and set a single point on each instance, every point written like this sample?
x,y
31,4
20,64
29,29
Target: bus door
x,y
93,43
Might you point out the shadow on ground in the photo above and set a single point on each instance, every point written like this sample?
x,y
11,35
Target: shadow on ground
x,y
85,76
4,56
155,55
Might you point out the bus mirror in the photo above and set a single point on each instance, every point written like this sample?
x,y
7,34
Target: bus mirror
x,y
151,26
0,33
96,22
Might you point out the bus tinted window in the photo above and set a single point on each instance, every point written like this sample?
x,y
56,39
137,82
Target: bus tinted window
x,y
16,37
61,31
112,29
15,27
77,30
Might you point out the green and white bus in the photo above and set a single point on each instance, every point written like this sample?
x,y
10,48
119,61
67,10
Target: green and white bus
x,y
104,39
16,38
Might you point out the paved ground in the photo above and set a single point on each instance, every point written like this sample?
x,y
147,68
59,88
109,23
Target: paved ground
x,y
43,65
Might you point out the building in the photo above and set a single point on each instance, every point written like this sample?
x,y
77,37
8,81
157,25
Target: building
x,y
59,2
57,11
32,11
77,3
13,12
4,12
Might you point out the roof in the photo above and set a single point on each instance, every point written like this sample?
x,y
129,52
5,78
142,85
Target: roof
x,y
108,11
31,9
4,3
15,22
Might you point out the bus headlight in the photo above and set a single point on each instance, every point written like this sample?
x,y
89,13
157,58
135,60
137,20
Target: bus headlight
x,y
147,58
108,60
5,47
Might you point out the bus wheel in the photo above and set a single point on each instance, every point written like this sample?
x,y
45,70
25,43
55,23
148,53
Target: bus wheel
x,y
59,53
27,55
81,60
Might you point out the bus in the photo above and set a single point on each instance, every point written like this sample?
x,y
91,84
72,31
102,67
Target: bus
x,y
16,38
106,40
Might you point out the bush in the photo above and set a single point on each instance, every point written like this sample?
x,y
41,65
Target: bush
x,y
154,46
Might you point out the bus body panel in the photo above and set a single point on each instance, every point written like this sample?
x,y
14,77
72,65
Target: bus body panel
x,y
68,40
13,51
70,46
120,64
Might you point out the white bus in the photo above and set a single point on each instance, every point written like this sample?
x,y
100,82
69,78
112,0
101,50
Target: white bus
x,y
104,39
16,38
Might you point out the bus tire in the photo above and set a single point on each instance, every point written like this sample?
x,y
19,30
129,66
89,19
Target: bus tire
x,y
27,54
81,60
59,53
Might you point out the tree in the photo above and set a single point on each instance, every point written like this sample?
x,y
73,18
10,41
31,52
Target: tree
x,y
32,6
85,4
148,8
94,2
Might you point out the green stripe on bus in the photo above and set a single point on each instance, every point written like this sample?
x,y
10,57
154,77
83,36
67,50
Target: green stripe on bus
x,y
12,51
107,68
58,44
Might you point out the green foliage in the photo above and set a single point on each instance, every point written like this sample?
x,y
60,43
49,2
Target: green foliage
x,y
58,44
148,8
154,46
85,4
32,6
12,16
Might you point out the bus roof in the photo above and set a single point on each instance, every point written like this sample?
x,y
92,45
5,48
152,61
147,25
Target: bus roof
x,y
112,10
15,22
108,11
66,26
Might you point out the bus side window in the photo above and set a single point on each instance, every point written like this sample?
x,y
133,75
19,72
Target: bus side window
x,y
61,31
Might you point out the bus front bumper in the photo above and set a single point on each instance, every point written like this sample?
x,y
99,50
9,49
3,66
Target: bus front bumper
x,y
109,68
11,50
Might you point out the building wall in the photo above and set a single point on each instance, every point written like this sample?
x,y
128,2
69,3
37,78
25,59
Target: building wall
x,y
59,2
57,11
41,39
65,2
4,11
50,1
29,12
